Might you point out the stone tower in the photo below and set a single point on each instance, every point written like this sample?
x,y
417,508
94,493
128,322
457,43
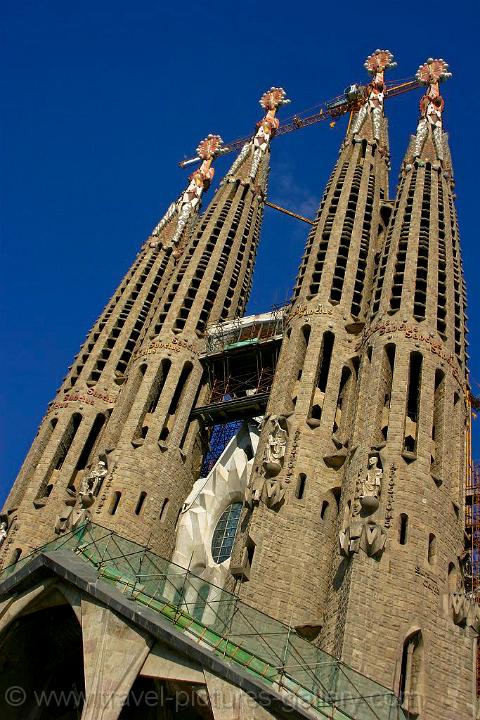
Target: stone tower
x,y
69,436
401,519
157,450
116,444
300,463
354,532
350,494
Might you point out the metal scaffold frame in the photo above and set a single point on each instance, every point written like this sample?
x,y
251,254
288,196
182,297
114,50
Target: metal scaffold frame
x,y
223,624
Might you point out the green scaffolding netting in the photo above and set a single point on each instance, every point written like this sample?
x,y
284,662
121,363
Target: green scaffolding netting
x,y
219,621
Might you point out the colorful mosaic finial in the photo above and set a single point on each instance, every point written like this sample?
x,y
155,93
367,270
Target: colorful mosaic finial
x,y
270,101
379,61
431,73
189,202
274,98
376,64
210,147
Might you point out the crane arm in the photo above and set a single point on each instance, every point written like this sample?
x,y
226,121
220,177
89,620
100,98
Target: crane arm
x,y
328,111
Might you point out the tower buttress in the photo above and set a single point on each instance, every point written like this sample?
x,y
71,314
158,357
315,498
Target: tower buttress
x,y
156,450
298,469
71,432
401,522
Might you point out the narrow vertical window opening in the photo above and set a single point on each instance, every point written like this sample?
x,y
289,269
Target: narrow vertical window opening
x,y
115,502
403,529
140,503
413,403
300,490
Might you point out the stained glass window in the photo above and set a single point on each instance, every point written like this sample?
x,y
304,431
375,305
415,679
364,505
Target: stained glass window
x,y
224,535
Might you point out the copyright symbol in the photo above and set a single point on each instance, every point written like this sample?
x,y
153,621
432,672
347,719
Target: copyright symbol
x,y
15,696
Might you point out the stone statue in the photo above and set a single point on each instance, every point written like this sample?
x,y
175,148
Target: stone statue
x,y
92,482
3,531
266,487
372,485
276,447
79,503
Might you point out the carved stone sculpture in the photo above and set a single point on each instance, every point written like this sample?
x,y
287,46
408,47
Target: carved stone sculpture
x,y
276,448
349,538
369,537
372,485
465,611
265,486
83,500
373,539
3,531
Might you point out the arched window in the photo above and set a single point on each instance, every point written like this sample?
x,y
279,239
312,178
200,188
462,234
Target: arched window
x,y
163,510
140,503
432,548
403,529
224,534
452,578
300,489
324,511
115,502
411,671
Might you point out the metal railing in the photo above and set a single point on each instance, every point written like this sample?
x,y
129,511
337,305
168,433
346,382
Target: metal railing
x,y
221,622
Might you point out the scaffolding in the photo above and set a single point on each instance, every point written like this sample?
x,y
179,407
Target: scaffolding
x,y
225,336
240,361
219,622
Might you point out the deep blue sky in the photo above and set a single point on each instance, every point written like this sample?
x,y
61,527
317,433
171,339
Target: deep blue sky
x,y
101,99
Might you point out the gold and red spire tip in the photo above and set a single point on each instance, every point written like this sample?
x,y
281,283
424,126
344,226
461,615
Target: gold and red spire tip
x,y
376,64
209,147
379,61
274,98
189,201
433,71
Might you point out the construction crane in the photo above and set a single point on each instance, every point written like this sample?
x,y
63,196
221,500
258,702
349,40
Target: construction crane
x,y
349,101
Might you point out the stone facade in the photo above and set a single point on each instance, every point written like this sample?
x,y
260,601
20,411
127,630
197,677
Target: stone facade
x,y
352,527
364,549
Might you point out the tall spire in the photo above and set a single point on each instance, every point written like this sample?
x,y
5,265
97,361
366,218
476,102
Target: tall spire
x,y
258,146
431,74
376,64
314,389
189,202
153,449
78,417
400,525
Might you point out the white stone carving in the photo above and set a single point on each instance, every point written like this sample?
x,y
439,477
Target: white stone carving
x,y
77,504
265,486
210,496
3,531
372,485
465,611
